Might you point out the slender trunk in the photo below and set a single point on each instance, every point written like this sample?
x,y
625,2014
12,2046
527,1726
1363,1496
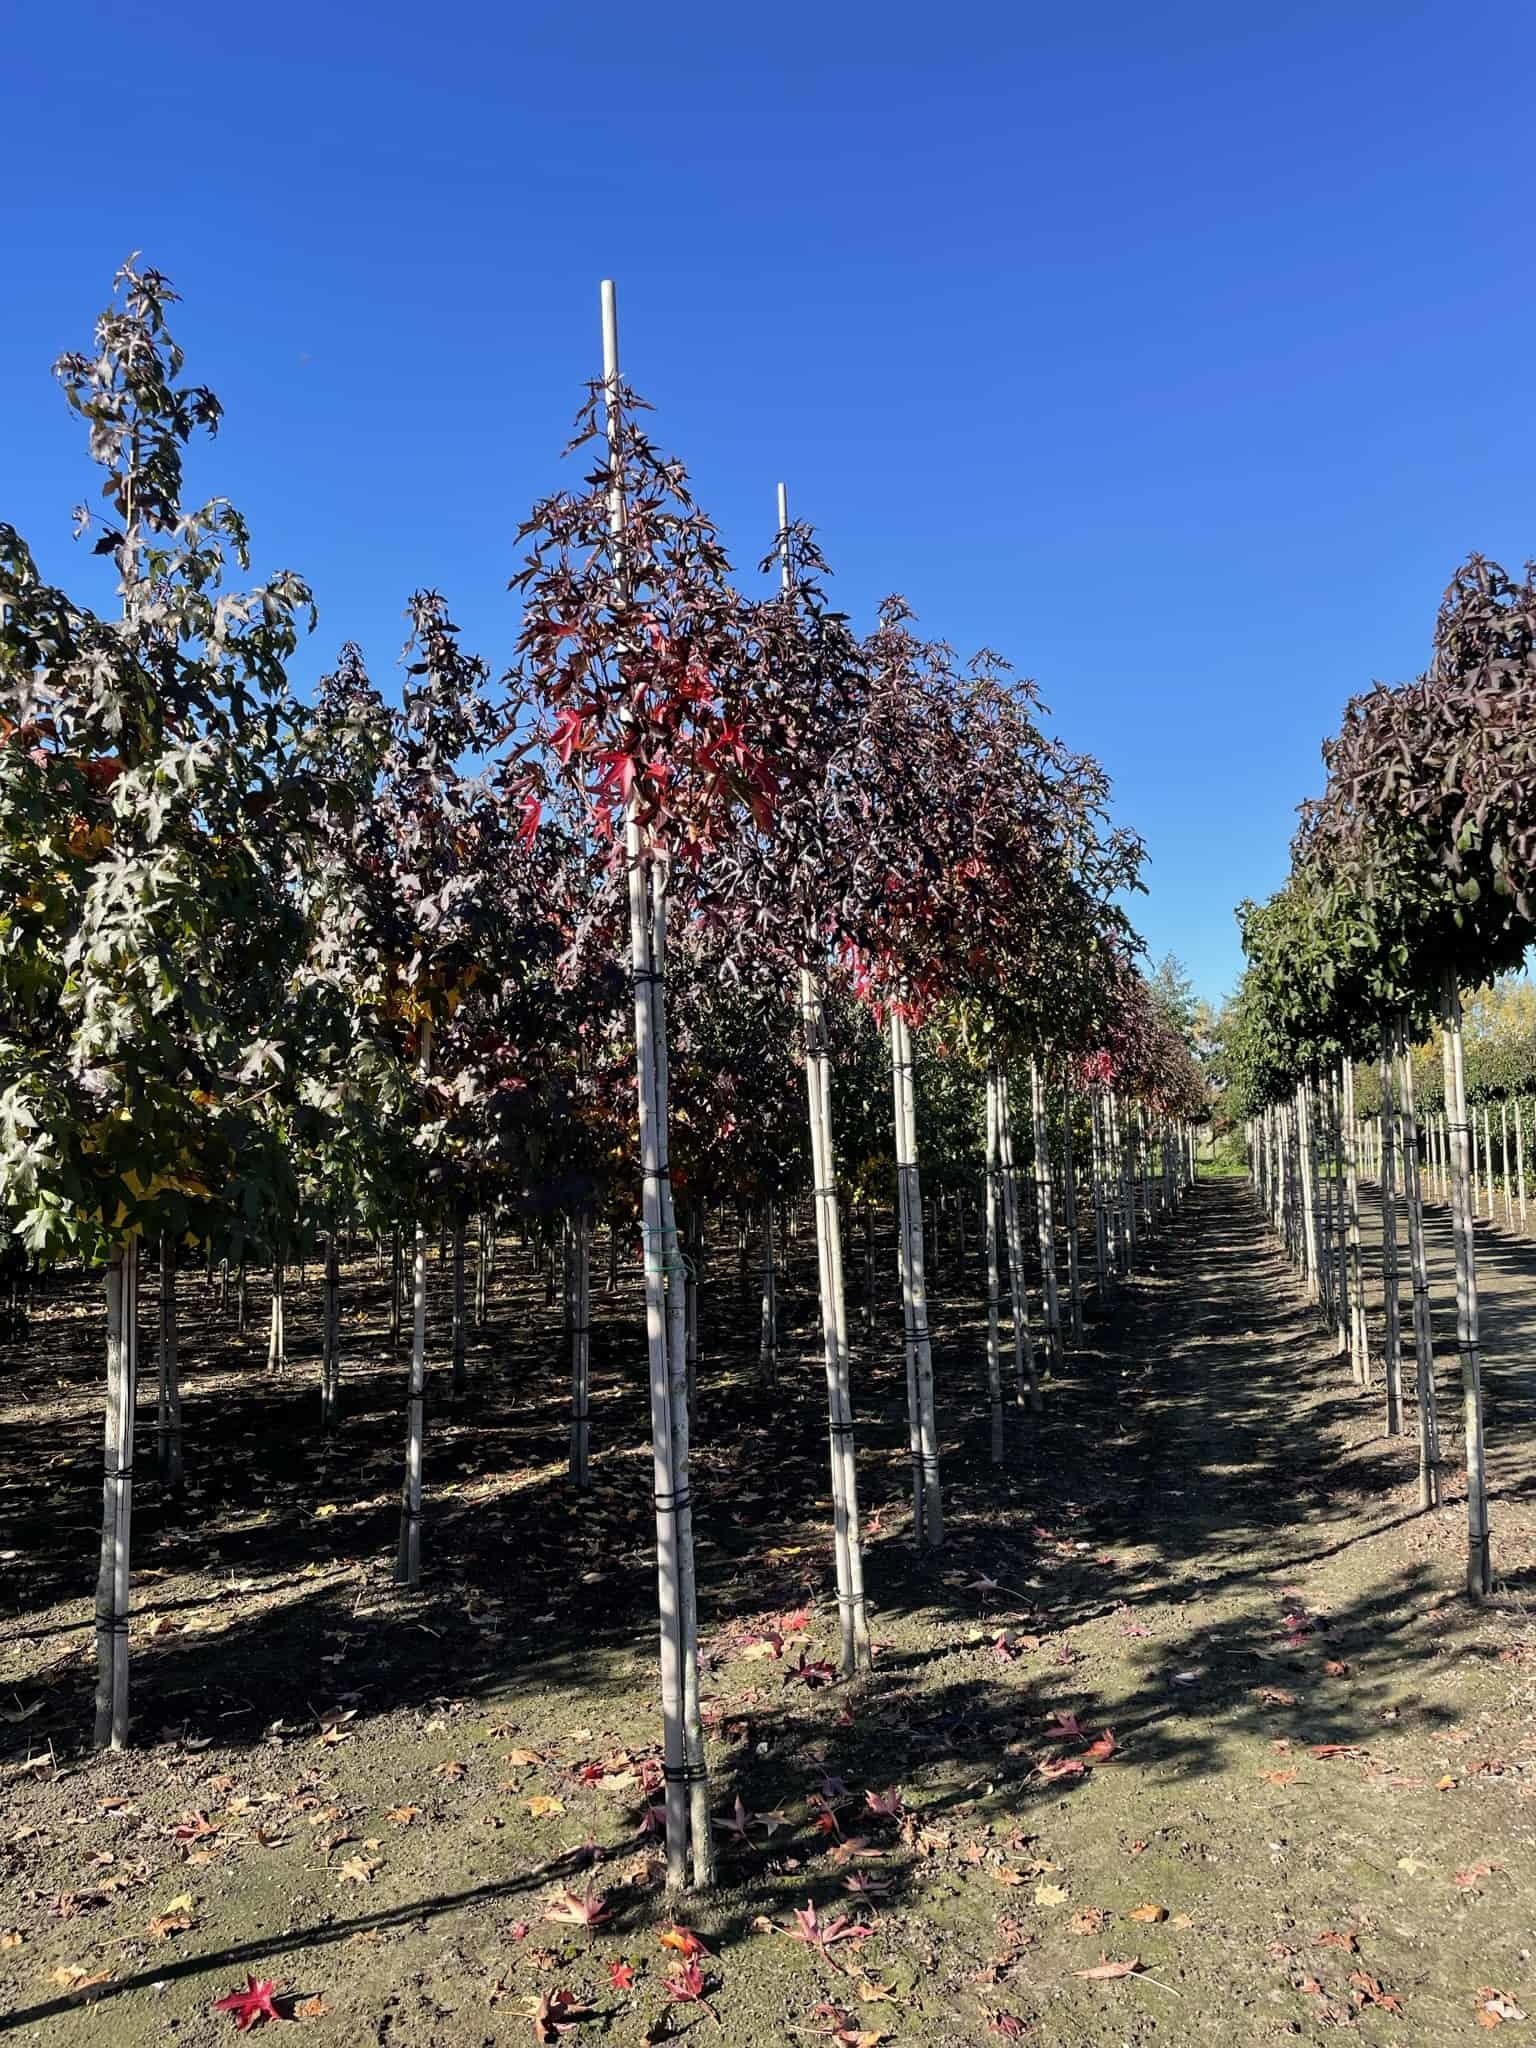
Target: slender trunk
x,y
693,1284
458,1380
1504,1180
396,1287
581,1349
1520,1157
1311,1263
168,1415
112,1583
1390,1297
330,1346
277,1329
1026,1379
768,1321
1359,1336
853,1618
1045,1218
701,1844
928,1504
408,1560
994,1290
1479,1564
1423,1335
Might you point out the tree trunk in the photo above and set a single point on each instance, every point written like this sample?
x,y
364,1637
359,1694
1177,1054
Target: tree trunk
x,y
408,1560
1479,1564
1069,1210
1391,1299
277,1329
168,1415
853,1619
581,1350
701,1840
1026,1380
927,1496
112,1583
994,1289
1045,1216
1359,1335
768,1322
459,1380
330,1334
1423,1335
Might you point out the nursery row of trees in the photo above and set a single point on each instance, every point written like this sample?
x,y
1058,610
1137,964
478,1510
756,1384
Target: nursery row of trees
x,y
1413,879
565,943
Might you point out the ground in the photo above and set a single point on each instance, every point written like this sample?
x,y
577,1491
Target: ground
x,y
1192,1686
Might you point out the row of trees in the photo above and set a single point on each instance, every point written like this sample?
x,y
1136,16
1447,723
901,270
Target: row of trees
x,y
1413,878
564,942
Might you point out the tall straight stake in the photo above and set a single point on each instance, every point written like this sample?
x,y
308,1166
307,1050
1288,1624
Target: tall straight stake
x,y
112,1582
408,1560
928,1504
994,1288
1479,1564
1387,1180
668,1483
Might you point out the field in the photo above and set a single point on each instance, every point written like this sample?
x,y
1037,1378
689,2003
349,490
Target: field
x,y
1192,1687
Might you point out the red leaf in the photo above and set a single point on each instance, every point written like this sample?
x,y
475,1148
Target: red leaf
x,y
257,2002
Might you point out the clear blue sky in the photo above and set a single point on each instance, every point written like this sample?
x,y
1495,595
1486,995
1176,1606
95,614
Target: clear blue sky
x,y
1177,351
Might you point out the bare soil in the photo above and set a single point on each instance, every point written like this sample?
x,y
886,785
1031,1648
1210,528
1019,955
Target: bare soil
x,y
1193,1685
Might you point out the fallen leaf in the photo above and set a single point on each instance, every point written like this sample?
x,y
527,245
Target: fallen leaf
x,y
253,2006
1050,1895
543,1804
1495,2007
1106,1971
1149,1916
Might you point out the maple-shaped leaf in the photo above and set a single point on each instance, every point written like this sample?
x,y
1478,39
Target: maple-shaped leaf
x,y
811,1672
250,2007
685,1982
1063,1728
590,1911
621,1975
887,1803
554,2013
682,1939
736,1823
1062,1767
1102,1746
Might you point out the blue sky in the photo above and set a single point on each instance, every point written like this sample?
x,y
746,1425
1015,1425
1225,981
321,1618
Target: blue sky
x,y
1178,352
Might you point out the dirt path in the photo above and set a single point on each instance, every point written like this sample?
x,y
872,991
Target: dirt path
x,y
1191,1654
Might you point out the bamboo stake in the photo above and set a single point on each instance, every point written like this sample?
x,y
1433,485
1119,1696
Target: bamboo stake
x,y
1479,1563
